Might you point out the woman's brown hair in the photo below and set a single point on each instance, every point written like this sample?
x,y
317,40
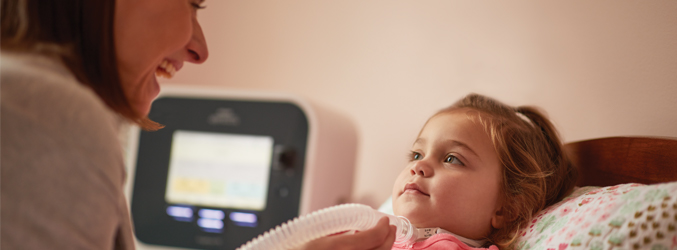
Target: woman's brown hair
x,y
536,170
81,34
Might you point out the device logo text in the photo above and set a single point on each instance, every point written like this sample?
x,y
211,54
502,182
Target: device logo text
x,y
224,116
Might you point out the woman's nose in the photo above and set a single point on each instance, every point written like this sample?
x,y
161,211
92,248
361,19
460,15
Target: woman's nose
x,y
197,47
421,168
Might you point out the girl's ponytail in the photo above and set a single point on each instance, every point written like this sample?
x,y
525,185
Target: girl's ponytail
x,y
561,175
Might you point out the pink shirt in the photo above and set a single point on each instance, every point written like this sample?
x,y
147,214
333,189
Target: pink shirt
x,y
442,242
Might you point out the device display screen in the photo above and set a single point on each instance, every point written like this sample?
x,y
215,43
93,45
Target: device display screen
x,y
219,170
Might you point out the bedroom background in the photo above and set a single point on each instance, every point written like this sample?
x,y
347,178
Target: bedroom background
x,y
600,68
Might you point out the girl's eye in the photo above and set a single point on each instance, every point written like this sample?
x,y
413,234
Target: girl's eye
x,y
453,160
415,156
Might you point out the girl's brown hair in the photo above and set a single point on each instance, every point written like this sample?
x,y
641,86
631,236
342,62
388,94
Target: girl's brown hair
x,y
536,170
79,33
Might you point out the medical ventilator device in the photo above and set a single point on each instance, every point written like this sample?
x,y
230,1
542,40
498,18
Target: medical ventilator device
x,y
230,165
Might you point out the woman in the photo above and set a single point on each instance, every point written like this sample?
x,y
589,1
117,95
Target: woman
x,y
72,71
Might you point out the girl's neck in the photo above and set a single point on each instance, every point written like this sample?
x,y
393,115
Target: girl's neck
x,y
429,232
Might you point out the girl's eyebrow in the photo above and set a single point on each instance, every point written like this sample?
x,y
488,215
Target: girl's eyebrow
x,y
454,143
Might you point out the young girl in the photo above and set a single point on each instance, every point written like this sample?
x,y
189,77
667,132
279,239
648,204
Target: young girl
x,y
478,171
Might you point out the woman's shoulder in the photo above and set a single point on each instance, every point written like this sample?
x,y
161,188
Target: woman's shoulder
x,y
44,87
47,110
41,95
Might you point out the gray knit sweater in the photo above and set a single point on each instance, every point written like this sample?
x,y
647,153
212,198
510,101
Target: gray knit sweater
x,y
62,169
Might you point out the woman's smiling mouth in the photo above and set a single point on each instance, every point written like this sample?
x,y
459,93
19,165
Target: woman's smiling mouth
x,y
166,69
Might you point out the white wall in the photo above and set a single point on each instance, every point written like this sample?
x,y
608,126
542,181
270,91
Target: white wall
x,y
599,68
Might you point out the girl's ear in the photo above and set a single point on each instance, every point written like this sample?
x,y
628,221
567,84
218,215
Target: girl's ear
x,y
498,219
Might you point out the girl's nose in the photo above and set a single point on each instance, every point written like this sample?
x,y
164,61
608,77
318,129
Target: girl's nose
x,y
421,168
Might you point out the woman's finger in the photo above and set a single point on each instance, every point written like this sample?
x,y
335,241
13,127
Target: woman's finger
x,y
390,239
379,237
370,239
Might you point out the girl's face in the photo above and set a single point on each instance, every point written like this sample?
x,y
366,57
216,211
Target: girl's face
x,y
453,179
155,36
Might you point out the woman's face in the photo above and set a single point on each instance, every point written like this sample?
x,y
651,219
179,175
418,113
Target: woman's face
x,y
155,37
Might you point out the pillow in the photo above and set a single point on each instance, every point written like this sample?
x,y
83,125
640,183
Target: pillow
x,y
626,216
387,206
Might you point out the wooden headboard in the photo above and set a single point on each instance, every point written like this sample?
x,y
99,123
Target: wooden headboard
x,y
616,160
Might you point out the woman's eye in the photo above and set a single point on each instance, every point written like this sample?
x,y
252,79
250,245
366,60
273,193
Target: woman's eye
x,y
453,160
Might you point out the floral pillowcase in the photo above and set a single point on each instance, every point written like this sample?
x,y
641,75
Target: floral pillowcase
x,y
626,216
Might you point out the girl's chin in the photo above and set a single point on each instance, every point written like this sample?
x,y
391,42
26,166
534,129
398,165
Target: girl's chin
x,y
408,212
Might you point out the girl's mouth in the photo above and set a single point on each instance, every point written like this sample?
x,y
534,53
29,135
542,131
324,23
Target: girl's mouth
x,y
412,188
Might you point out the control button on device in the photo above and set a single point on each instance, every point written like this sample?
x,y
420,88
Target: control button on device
x,y
180,213
244,219
283,192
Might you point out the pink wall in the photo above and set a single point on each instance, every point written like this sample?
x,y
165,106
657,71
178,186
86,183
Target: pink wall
x,y
599,68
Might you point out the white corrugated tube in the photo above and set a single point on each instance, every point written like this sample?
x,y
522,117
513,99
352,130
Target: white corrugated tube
x,y
336,219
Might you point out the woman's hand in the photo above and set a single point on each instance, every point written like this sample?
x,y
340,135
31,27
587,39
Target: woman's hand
x,y
380,237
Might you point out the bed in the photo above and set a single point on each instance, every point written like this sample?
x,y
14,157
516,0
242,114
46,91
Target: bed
x,y
627,199
617,160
